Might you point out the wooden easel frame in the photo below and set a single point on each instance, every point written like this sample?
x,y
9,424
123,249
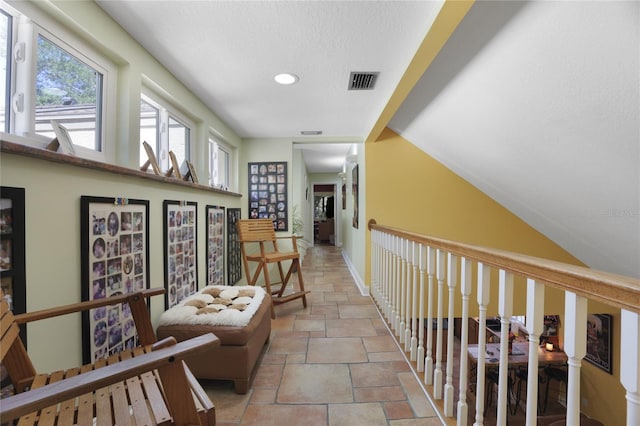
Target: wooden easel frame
x,y
191,173
151,160
174,169
62,141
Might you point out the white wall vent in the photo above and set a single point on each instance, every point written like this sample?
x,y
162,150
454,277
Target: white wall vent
x,y
362,80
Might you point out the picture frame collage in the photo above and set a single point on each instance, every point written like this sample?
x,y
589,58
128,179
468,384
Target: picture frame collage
x,y
181,260
268,193
234,254
215,245
115,240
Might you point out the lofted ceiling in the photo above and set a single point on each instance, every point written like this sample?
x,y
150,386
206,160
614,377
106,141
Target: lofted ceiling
x,y
535,103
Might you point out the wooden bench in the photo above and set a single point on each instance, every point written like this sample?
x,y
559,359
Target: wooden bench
x,y
262,233
125,389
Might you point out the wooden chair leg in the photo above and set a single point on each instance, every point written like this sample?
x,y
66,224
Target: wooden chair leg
x,y
296,263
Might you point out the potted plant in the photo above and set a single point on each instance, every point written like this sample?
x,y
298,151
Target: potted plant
x,y
297,227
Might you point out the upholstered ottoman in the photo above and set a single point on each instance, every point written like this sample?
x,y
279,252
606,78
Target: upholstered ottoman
x,y
241,318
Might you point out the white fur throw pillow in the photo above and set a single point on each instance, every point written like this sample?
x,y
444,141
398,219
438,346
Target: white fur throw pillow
x,y
199,309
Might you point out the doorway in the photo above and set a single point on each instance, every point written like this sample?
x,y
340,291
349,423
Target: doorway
x,y
324,211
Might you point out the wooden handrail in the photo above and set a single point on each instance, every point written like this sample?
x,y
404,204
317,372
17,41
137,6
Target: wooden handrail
x,y
611,289
83,306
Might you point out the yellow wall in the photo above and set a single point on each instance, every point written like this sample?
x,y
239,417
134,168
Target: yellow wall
x,y
410,190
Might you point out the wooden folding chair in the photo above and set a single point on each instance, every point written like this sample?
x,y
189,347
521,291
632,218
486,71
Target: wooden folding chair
x,y
148,385
261,232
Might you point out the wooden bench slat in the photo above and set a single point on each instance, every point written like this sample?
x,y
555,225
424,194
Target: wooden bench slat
x,y
85,401
67,410
155,397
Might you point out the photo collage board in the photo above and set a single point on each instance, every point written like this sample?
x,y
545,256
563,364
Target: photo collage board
x,y
268,193
180,241
234,257
115,259
215,245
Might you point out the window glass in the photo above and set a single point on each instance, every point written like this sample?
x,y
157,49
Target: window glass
x,y
70,92
149,128
178,140
5,68
219,160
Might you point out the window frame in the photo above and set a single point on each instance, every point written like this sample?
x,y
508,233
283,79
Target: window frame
x,y
29,23
166,111
212,140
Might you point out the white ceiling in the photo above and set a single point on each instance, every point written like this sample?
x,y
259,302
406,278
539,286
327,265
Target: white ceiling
x,y
535,103
229,51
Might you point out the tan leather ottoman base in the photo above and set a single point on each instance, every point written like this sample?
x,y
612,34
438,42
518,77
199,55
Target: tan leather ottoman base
x,y
241,347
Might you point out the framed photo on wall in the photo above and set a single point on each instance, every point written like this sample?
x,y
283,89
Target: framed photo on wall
x,y
268,193
115,259
12,251
354,177
234,257
599,341
215,245
180,243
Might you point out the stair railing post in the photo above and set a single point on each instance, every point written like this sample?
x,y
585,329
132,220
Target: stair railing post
x,y
465,289
575,346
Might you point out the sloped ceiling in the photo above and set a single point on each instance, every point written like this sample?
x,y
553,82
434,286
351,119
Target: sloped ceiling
x,y
537,104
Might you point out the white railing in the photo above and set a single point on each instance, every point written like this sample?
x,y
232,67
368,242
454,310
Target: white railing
x,y
411,277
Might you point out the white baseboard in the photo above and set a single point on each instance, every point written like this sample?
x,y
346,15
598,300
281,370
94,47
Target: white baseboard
x,y
364,290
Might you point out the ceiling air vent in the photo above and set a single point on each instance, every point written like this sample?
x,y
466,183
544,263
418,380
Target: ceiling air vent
x,y
362,80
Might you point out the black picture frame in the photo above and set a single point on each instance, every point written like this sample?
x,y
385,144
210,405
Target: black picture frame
x,y
600,341
215,244
12,251
354,177
114,260
234,256
268,193
180,219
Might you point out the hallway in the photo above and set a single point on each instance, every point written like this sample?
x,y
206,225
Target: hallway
x,y
333,363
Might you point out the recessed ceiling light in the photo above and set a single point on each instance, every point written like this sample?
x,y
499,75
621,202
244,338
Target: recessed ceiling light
x,y
286,78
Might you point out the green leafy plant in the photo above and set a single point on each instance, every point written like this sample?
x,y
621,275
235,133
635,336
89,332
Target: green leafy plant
x,y
297,222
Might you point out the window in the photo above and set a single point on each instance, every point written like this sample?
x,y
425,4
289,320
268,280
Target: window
x,y
6,28
52,75
149,128
70,92
165,129
178,139
219,164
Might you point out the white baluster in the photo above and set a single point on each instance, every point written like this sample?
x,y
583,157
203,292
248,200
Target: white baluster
x,y
428,361
403,290
629,357
484,292
535,318
505,309
437,374
422,255
452,278
575,346
465,289
409,294
414,304
383,275
394,283
374,263
398,270
388,280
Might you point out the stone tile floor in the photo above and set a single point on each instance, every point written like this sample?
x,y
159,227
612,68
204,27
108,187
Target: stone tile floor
x,y
333,363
